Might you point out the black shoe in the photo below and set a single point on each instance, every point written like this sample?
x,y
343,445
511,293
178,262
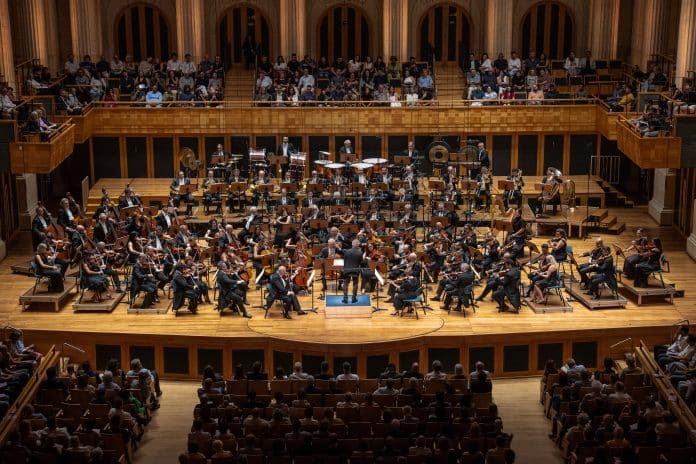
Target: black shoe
x,y
354,300
247,315
321,297
301,313
390,300
286,316
344,301
435,298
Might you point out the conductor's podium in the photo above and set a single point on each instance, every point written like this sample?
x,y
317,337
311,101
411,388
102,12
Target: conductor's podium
x,y
336,309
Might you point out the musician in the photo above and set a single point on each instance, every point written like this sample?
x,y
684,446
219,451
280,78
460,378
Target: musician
x,y
338,178
236,197
253,218
166,218
103,230
232,294
449,177
552,197
347,148
650,263
491,251
184,287
94,277
261,248
584,269
198,271
548,277
440,211
413,154
46,266
65,216
483,159
222,155
639,244
368,275
128,200
158,269
360,177
351,270
559,245
411,182
144,281
469,239
134,247
483,191
331,251
311,200
543,262
286,148
460,286
437,253
105,206
315,178
279,289
383,177
374,214
406,289
407,218
236,177
285,199
110,259
518,237
208,196
78,239
183,236
514,195
282,218
401,196
174,187
39,225
262,178
605,274
509,287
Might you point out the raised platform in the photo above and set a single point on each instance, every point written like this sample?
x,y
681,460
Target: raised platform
x,y
105,306
42,297
157,308
654,292
336,309
607,299
553,305
23,268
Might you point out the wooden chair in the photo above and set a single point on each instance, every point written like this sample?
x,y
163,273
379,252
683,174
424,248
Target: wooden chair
x,y
236,387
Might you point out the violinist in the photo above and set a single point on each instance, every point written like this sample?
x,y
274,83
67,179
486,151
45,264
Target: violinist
x,y
491,251
596,253
158,267
281,219
543,262
144,281
514,196
408,263
94,277
439,233
652,253
226,236
214,231
405,289
158,239
559,245
211,197
134,247
509,287
108,260
483,191
198,272
175,186
46,266
183,236
184,288
468,240
39,225
128,200
65,217
605,274
436,254
494,279
460,286
262,178
103,230
368,275
261,248
546,278
639,244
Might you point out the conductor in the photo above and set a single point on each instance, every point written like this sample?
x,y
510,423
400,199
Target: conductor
x,y
351,270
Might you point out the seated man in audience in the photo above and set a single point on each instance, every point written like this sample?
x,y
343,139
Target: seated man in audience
x,y
298,373
387,388
630,368
413,372
347,402
137,367
256,372
436,373
108,382
480,368
572,369
347,374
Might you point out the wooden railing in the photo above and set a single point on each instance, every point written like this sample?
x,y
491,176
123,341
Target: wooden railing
x,y
648,152
666,391
11,419
43,157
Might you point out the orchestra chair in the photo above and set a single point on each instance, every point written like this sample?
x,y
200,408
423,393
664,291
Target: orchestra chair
x,y
657,273
415,303
568,261
38,277
268,303
556,288
82,287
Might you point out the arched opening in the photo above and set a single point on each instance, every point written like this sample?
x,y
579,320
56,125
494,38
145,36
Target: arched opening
x,y
343,31
548,27
445,30
236,25
142,31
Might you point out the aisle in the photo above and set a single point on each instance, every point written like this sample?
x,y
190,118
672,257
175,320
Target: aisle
x,y
518,405
165,437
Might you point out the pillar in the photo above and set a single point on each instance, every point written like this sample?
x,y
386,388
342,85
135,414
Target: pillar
x,y
190,28
395,29
6,53
661,206
691,241
292,28
498,28
35,32
27,199
649,30
686,48
85,29
604,28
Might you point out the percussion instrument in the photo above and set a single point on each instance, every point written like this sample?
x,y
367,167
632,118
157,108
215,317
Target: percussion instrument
x,y
257,156
297,165
363,166
335,166
375,160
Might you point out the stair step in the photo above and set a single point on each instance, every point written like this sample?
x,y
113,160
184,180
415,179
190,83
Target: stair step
x,y
608,221
617,228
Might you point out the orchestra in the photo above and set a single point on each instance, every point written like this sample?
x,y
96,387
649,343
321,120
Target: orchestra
x,y
365,228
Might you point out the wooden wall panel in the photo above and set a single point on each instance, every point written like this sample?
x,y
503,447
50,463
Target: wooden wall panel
x,y
649,152
42,157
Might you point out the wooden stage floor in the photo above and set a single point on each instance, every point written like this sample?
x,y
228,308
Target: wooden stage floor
x,y
316,330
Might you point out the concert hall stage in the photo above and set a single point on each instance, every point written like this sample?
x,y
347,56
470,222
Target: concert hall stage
x,y
179,347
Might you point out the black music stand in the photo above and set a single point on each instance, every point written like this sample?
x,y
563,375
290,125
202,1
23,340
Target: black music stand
x,y
469,185
542,188
402,160
238,189
266,260
265,191
380,283
310,282
278,161
185,189
217,188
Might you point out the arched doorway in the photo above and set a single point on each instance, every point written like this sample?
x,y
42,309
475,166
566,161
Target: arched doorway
x,y
548,27
445,30
140,31
235,25
343,31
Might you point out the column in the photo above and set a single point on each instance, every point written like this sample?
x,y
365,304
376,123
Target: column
x,y
190,27
35,33
604,28
27,199
6,54
661,207
691,241
292,28
649,20
85,29
395,29
686,49
498,28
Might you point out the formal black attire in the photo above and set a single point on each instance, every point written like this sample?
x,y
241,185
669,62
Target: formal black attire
x,y
327,253
64,218
104,232
407,291
165,221
352,260
278,289
128,202
462,287
186,197
510,288
589,267
605,274
184,287
630,263
144,281
231,292
38,229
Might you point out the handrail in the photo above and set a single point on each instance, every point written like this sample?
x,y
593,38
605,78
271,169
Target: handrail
x,y
674,402
11,419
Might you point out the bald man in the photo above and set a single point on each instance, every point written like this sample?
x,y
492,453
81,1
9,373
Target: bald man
x,y
279,288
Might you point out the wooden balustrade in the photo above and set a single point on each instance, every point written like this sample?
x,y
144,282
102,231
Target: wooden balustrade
x,y
648,152
43,157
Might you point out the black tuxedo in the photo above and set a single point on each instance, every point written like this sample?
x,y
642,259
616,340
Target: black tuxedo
x,y
290,148
106,236
38,229
231,292
352,259
123,202
510,289
343,150
162,222
63,219
484,159
174,186
184,287
278,289
289,200
315,201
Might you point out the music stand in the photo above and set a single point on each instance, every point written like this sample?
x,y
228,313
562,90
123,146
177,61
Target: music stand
x,y
125,212
315,188
184,190
381,186
337,267
444,220
238,189
380,283
349,229
310,282
218,188
265,190
402,160
348,157
277,160
504,225
287,228
437,185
